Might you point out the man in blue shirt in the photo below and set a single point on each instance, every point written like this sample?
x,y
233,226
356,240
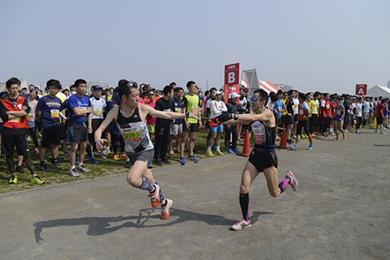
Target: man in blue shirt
x,y
48,113
177,126
279,107
80,125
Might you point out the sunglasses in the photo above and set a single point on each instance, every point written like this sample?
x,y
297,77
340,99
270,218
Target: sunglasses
x,y
255,99
151,94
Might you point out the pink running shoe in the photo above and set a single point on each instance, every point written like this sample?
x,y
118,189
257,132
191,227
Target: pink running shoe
x,y
293,182
241,224
155,196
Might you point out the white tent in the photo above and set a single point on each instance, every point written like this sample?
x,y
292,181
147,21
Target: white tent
x,y
377,91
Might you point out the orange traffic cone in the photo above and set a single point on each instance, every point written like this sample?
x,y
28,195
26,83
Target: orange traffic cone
x,y
283,139
246,150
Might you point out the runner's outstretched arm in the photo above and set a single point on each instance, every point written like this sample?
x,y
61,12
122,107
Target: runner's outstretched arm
x,y
107,121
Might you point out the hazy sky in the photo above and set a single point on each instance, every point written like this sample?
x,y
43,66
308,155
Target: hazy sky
x,y
312,45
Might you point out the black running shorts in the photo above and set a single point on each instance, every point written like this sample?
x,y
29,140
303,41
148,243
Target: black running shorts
x,y
193,127
51,134
8,142
78,132
263,160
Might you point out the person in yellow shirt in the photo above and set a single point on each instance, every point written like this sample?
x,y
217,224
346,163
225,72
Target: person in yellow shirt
x,y
314,113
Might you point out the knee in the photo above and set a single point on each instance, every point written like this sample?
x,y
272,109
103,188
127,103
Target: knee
x,y
244,189
135,182
274,192
73,148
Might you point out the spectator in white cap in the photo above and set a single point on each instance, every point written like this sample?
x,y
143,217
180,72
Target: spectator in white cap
x,y
233,108
217,107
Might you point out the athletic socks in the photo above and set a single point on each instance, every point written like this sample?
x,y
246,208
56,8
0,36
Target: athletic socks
x,y
161,195
217,148
283,184
146,185
244,203
208,148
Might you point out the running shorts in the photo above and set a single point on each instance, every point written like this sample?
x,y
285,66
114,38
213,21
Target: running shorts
x,y
176,129
51,134
263,160
193,127
144,156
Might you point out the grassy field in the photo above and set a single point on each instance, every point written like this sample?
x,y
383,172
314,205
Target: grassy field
x,y
106,167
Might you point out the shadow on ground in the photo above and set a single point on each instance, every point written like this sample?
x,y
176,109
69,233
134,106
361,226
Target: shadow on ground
x,y
98,226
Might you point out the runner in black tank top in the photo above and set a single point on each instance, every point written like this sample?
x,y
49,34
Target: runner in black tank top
x,y
130,117
263,157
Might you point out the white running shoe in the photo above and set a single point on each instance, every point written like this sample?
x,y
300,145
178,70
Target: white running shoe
x,y
165,210
82,168
241,224
73,173
294,182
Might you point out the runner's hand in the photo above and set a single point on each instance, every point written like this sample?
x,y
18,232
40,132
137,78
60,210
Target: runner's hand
x,y
195,113
89,130
100,143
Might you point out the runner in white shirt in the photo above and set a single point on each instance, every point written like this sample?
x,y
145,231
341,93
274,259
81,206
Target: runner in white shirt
x,y
217,107
296,104
359,114
98,105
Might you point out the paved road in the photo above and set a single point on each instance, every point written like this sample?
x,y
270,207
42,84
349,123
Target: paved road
x,y
341,211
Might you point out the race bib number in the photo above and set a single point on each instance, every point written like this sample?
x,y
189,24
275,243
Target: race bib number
x,y
82,108
54,113
97,112
17,119
178,110
194,107
29,117
133,135
258,131
327,106
167,110
280,109
338,112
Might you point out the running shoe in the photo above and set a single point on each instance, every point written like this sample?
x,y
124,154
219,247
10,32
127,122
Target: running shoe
x,y
165,161
375,132
208,153
241,224
171,152
43,167
313,135
229,151
116,157
128,164
344,136
56,163
382,133
294,136
155,196
92,160
218,152
294,147
192,158
13,180
294,182
289,141
182,161
103,156
309,148
123,156
37,180
332,133
336,139
165,210
66,153
20,169
81,168
235,150
73,173
357,131
158,163
58,158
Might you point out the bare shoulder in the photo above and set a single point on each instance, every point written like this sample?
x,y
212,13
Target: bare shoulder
x,y
270,118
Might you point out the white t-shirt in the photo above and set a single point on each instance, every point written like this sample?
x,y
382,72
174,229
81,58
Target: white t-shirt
x,y
359,109
97,107
243,103
296,104
217,107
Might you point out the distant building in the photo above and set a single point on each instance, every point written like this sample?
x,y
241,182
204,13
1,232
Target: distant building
x,y
23,84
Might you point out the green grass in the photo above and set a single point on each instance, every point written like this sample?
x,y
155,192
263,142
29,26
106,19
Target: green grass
x,y
106,167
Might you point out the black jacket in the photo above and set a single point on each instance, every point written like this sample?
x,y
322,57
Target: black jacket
x,y
233,107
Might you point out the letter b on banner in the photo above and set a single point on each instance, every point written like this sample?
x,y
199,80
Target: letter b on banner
x,y
231,77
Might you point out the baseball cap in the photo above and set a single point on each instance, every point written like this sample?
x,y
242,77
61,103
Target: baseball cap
x,y
217,92
234,95
96,87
